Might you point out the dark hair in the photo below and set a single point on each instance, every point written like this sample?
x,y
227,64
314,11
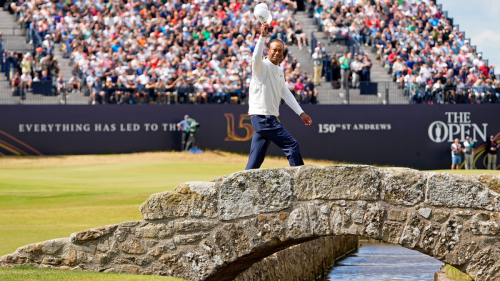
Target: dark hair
x,y
276,40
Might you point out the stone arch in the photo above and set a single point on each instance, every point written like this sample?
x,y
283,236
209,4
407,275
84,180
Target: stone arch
x,y
215,230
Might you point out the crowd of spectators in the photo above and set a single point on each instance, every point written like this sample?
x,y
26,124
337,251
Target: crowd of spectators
x,y
419,46
136,51
23,69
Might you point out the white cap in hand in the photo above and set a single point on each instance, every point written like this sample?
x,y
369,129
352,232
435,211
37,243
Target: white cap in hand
x,y
262,14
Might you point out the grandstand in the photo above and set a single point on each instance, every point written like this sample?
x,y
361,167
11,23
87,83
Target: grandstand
x,y
200,52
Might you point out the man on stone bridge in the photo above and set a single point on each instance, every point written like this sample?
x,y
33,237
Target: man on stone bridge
x,y
267,87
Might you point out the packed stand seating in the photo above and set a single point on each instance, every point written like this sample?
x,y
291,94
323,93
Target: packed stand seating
x,y
30,72
425,54
129,52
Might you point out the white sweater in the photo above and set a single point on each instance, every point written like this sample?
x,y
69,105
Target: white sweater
x,y
268,86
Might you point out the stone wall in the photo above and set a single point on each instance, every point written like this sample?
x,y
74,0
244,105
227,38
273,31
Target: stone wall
x,y
216,230
301,262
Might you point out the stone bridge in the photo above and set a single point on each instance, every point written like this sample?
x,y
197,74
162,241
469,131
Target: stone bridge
x,y
216,230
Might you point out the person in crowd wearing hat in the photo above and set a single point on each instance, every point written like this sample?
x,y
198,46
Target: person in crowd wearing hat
x,y
318,65
469,153
456,154
491,150
47,44
267,88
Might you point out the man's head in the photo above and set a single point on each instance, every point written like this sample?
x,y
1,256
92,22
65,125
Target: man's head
x,y
186,117
467,139
492,137
275,51
457,141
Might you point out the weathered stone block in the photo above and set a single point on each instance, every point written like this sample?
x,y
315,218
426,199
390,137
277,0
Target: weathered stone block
x,y
457,191
491,181
336,220
182,202
130,269
51,247
298,223
441,215
403,186
430,235
425,212
412,231
373,220
153,231
132,246
319,216
358,217
69,256
192,225
187,239
252,192
485,224
51,261
350,182
391,232
129,223
396,215
92,234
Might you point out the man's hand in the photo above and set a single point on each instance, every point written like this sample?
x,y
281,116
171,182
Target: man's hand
x,y
264,29
307,120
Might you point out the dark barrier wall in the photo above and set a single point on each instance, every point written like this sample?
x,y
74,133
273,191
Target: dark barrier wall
x,y
411,136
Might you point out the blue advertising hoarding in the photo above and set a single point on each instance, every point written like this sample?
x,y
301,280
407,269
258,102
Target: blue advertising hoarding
x,y
396,135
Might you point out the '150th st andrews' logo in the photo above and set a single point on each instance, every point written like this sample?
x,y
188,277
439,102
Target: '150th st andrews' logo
x,y
459,125
231,132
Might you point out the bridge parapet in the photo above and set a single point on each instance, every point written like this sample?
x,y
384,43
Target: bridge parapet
x,y
216,230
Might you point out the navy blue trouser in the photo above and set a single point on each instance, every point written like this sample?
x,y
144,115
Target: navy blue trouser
x,y
267,129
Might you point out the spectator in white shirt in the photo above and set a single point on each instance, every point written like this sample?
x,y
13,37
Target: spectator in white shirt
x,y
478,61
466,48
356,72
426,72
26,80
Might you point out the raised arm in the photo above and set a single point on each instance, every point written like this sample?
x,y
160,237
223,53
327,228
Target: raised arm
x,y
257,64
294,105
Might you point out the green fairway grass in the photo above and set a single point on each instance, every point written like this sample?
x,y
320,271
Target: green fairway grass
x,y
34,273
468,172
48,198
38,204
